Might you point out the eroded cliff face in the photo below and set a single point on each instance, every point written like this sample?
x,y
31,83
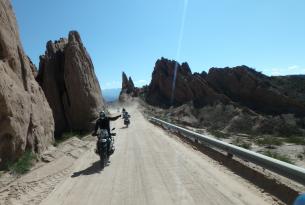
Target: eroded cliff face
x,y
26,120
254,90
128,89
127,84
66,75
188,86
233,100
240,85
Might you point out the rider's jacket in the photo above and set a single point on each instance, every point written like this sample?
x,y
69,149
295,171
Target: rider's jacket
x,y
126,115
104,123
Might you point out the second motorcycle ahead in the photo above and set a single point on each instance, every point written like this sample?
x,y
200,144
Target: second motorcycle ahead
x,y
126,117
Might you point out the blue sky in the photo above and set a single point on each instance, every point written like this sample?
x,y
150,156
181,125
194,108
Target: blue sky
x,y
130,35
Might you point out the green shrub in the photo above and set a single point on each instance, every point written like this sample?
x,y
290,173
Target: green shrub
x,y
269,140
218,134
275,155
241,143
24,163
300,156
295,140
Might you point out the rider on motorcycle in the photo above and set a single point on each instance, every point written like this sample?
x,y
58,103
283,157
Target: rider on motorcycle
x,y
123,112
126,115
104,123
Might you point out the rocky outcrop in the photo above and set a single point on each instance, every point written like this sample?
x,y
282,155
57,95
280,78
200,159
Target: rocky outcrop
x,y
127,84
66,75
128,89
240,85
188,86
253,90
26,120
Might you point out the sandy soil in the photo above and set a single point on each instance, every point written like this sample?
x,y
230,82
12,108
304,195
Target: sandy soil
x,y
148,167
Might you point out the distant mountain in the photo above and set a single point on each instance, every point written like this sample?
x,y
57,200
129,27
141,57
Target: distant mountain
x,y
111,95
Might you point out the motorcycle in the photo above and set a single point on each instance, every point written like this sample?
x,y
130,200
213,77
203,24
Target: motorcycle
x,y
105,146
126,119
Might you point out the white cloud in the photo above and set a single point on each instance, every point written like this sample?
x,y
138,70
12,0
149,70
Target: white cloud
x,y
112,84
140,82
275,71
290,70
293,67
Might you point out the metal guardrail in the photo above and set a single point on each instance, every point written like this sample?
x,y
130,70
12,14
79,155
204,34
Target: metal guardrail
x,y
282,168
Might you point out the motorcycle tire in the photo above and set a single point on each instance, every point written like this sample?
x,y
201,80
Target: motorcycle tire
x,y
103,159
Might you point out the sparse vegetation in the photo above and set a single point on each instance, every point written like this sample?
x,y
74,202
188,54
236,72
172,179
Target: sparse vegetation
x,y
24,163
300,156
269,140
241,143
67,135
218,134
295,140
275,155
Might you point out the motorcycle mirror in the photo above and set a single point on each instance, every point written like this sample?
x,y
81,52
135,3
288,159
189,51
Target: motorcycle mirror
x,y
113,128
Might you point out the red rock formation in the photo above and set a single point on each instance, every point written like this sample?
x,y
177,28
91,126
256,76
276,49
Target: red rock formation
x,y
66,74
26,120
127,84
254,90
189,87
240,86
128,89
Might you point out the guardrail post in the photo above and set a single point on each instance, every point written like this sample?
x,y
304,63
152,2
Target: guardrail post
x,y
229,155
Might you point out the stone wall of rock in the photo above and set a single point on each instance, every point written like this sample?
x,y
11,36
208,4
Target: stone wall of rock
x,y
66,75
128,88
254,90
127,84
26,120
240,85
188,86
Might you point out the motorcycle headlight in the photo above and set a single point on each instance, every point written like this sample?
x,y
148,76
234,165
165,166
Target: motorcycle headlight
x,y
104,140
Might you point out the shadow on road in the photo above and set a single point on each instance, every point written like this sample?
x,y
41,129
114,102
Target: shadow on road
x,y
93,169
123,127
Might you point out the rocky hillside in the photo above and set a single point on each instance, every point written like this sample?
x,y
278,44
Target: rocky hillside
x,y
254,90
26,120
66,75
189,86
237,99
239,85
292,86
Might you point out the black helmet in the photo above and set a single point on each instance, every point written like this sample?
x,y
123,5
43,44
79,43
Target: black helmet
x,y
124,110
102,115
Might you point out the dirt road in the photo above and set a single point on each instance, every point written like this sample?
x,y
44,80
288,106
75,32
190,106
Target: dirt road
x,y
150,167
